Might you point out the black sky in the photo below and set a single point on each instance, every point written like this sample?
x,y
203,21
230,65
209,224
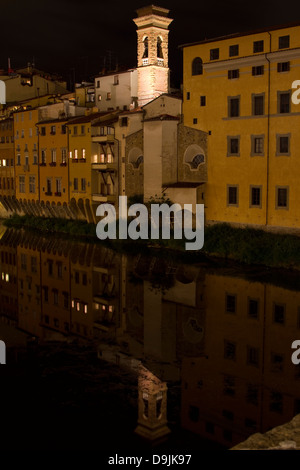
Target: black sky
x,y
68,35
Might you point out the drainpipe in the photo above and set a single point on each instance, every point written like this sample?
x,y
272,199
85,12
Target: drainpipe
x,y
268,129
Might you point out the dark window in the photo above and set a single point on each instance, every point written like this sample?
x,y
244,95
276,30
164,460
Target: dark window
x,y
282,197
124,122
255,196
194,414
76,184
252,394
253,308
284,102
63,129
229,386
277,362
279,313
283,42
233,146
233,50
283,144
214,54
230,303
253,356
233,74
195,121
229,350
188,95
234,107
258,105
228,415
232,195
258,70
43,130
197,66
202,100
283,67
258,46
276,402
258,145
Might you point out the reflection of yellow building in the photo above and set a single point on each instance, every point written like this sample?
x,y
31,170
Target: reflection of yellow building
x,y
244,381
238,89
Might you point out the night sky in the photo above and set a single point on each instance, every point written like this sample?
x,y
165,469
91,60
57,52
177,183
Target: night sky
x,y
81,36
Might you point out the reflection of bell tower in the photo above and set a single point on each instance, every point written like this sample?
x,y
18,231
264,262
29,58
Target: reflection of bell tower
x,y
152,405
153,69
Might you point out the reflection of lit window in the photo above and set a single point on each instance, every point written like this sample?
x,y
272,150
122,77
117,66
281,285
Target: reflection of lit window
x,y
75,153
83,153
95,158
103,307
73,304
78,306
4,162
109,159
7,277
85,308
96,306
102,158
3,276
110,308
71,154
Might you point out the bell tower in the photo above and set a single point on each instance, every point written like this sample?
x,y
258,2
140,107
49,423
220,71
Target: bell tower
x,y
152,52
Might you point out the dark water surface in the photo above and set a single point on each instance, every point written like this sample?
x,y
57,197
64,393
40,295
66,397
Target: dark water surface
x,y
113,352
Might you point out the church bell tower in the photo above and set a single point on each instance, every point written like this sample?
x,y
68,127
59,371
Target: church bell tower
x,y
152,50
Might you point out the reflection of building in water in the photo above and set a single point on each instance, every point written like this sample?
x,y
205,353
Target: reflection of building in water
x,y
152,406
8,279
246,382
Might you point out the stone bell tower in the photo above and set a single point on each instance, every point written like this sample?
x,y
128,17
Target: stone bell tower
x,y
152,51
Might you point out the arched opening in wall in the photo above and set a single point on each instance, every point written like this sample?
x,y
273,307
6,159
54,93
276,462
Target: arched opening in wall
x,y
159,48
197,66
194,156
146,47
135,157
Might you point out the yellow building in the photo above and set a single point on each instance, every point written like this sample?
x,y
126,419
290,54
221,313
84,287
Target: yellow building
x,y
53,161
26,156
7,170
238,89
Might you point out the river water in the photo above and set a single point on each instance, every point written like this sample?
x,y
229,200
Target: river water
x,y
113,351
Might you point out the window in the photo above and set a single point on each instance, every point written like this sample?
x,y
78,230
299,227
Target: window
x,y
53,155
195,121
83,154
283,67
233,74
283,144
59,270
82,129
277,361
193,413
282,195
229,350
76,154
108,96
18,159
98,84
99,97
233,50
253,308
257,145
75,184
83,184
229,386
22,184
252,394
279,313
283,102
258,46
255,196
258,105
63,129
258,70
35,159
214,54
202,100
276,402
58,186
75,130
283,42
53,130
228,415
252,356
233,107
32,184
124,122
116,79
188,95
43,157
43,130
49,186
233,146
197,66
64,156
230,303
